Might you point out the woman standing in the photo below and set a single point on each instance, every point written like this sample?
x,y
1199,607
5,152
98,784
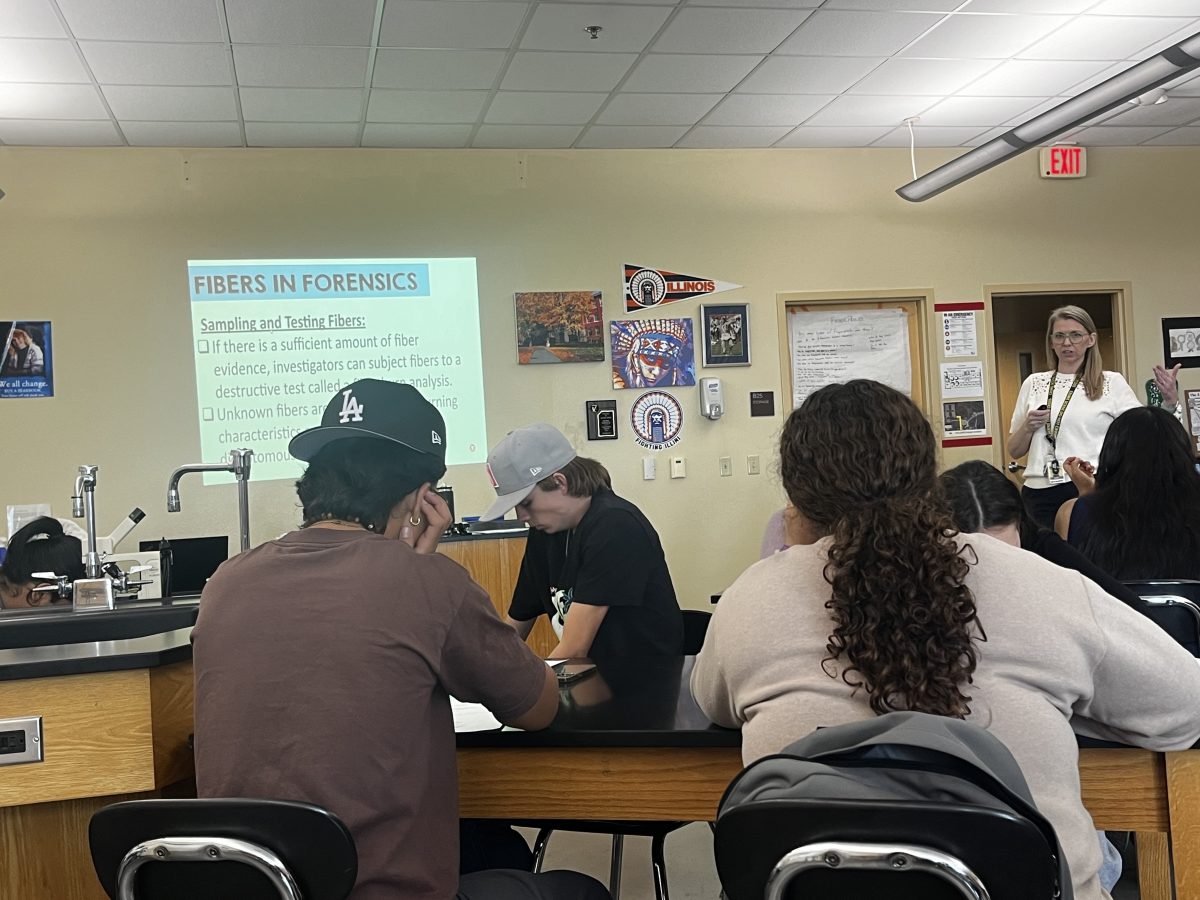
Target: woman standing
x,y
1066,411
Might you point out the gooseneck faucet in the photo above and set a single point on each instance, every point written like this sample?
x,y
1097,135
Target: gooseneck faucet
x,y
83,502
239,465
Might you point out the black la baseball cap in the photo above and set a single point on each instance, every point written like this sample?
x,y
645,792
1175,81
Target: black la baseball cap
x,y
381,409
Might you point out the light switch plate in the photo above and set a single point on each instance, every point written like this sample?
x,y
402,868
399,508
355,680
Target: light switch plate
x,y
678,467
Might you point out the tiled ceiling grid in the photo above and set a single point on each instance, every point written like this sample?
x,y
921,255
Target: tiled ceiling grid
x,y
527,73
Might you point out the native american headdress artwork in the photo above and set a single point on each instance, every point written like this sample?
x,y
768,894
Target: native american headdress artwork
x,y
652,353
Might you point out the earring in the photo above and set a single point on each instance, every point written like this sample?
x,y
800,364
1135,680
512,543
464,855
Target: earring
x,y
414,521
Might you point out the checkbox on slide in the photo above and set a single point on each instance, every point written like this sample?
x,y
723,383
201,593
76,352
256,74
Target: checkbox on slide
x,y
202,346
207,414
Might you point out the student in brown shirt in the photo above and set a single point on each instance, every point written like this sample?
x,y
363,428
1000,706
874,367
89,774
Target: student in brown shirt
x,y
325,659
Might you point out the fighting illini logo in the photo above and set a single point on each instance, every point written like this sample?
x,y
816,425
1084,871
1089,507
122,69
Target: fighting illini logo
x,y
647,288
657,420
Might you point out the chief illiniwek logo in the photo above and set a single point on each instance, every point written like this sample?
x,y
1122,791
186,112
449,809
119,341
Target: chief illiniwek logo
x,y
650,288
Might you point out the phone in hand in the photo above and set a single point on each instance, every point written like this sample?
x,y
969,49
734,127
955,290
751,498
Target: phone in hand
x,y
568,672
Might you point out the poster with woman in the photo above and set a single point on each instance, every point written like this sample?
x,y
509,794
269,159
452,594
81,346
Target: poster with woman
x,y
26,367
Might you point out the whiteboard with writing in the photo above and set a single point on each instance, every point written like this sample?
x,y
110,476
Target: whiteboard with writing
x,y
834,347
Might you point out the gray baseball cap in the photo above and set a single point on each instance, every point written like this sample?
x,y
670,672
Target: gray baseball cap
x,y
521,460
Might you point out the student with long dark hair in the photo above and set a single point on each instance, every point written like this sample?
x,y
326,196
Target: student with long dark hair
x,y
38,547
1139,516
885,606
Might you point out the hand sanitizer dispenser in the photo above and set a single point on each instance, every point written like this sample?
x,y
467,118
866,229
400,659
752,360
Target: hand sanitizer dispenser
x,y
712,400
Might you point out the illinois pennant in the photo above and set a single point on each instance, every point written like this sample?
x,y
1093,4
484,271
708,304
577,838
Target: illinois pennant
x,y
651,288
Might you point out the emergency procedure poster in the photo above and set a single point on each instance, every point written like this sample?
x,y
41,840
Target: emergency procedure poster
x,y
834,347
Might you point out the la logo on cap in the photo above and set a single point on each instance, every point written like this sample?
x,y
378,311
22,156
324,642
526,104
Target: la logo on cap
x,y
352,410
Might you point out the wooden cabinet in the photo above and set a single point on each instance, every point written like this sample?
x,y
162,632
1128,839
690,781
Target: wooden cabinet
x,y
494,564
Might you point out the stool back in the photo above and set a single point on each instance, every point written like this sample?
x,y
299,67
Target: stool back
x,y
1174,605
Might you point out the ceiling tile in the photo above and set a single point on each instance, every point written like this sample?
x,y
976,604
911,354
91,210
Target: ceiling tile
x,y
766,109
167,104
379,134
182,134
301,104
1146,8
1178,137
1033,112
450,23
710,30
451,70
535,108
308,134
759,4
30,18
139,20
630,136
1051,7
889,111
51,101
657,109
31,59
1185,86
428,107
895,5
981,111
116,62
346,23
964,36
520,137
683,73
714,136
982,138
325,67
928,137
934,77
839,33
560,26
823,136
1117,136
1099,38
542,71
806,74
1032,78
42,133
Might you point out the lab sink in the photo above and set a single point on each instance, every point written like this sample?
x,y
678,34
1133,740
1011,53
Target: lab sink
x,y
48,627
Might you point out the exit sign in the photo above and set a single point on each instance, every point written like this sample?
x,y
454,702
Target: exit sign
x,y
1062,162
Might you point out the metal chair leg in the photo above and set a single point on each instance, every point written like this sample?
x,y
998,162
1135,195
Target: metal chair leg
x,y
658,863
614,871
540,843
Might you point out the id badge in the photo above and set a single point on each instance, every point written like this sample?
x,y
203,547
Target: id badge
x,y
1054,472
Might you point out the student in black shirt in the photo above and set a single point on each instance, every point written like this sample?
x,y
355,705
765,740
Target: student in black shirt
x,y
593,562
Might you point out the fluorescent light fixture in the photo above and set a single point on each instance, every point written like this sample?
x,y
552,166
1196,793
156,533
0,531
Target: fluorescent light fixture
x,y
1131,85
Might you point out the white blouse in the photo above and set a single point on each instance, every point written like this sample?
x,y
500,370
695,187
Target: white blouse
x,y
1084,424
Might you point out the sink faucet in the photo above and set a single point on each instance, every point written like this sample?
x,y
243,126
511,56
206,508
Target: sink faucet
x,y
83,502
239,465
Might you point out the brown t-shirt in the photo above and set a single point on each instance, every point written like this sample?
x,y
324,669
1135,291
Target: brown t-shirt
x,y
323,664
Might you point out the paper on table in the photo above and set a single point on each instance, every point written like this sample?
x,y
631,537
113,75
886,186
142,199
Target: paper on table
x,y
554,662
473,717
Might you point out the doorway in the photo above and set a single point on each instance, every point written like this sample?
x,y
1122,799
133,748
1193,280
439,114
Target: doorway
x,y
1019,339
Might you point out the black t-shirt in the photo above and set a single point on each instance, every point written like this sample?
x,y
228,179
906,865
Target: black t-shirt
x,y
612,558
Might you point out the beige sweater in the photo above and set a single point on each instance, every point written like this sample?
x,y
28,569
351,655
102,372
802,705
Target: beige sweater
x,y
1060,654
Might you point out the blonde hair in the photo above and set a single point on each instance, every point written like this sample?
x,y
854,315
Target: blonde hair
x,y
1093,366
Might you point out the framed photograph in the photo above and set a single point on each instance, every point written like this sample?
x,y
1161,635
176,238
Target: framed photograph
x,y
725,331
1181,342
559,327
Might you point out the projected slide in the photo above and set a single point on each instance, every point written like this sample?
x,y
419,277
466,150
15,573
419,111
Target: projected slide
x,y
275,339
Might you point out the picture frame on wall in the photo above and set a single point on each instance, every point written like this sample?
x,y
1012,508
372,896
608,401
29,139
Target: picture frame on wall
x,y
725,334
1181,342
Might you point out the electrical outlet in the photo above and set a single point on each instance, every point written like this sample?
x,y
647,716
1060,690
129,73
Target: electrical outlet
x,y
678,467
725,466
752,465
649,468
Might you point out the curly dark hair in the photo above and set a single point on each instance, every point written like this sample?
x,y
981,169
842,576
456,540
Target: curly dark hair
x,y
858,462
1145,511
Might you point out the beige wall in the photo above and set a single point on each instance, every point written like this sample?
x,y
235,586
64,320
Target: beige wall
x,y
97,240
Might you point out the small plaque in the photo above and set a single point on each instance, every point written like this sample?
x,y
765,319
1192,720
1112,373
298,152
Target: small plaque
x,y
601,420
762,403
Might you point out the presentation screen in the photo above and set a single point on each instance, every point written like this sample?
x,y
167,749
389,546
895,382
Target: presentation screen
x,y
275,339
